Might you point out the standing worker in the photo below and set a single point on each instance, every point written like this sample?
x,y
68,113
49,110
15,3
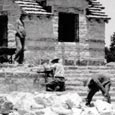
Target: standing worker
x,y
20,40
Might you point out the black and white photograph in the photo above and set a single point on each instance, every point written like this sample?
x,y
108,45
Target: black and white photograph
x,y
57,57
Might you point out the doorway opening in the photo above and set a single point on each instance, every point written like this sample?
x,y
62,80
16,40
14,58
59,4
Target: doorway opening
x,y
3,38
68,27
3,31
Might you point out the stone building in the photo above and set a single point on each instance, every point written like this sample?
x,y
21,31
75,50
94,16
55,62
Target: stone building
x,y
72,30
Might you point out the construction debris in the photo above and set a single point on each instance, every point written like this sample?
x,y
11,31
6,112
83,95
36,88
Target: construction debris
x,y
50,103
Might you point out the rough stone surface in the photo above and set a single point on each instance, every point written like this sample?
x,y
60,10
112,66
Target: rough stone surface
x,y
42,34
50,104
26,78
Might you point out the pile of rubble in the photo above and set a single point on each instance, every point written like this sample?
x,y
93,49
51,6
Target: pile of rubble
x,y
50,103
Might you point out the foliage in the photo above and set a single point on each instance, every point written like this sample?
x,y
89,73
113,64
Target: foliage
x,y
110,52
112,46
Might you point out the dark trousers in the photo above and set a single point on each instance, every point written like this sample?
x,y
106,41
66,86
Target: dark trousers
x,y
94,87
19,55
58,84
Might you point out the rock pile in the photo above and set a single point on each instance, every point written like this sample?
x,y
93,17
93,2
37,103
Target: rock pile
x,y
50,103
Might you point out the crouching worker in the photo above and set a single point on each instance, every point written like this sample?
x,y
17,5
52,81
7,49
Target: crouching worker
x,y
48,71
58,82
98,82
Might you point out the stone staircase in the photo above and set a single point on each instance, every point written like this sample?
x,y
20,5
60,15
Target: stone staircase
x,y
76,75
23,79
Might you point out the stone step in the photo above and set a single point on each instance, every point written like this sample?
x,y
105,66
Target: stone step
x,y
98,96
89,67
66,67
23,80
79,81
79,85
90,71
84,91
82,78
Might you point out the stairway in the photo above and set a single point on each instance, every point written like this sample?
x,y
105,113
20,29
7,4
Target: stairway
x,y
75,76
22,79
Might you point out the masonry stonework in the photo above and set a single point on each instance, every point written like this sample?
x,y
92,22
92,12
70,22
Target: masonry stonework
x,y
40,41
42,34
96,39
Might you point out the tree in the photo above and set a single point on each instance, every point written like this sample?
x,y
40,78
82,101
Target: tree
x,y
110,52
112,45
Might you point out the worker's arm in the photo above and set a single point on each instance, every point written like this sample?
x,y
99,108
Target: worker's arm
x,y
17,26
100,85
86,82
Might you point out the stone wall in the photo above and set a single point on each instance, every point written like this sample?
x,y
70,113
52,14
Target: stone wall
x,y
68,3
69,51
96,39
73,52
89,49
18,82
1,5
8,8
13,12
40,41
42,35
83,32
25,79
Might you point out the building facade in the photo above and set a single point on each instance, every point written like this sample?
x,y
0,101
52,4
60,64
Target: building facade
x,y
73,31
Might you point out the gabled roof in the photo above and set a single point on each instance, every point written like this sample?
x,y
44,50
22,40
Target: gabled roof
x,y
31,7
96,10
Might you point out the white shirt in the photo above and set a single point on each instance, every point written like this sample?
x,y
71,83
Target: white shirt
x,y
59,69
20,27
